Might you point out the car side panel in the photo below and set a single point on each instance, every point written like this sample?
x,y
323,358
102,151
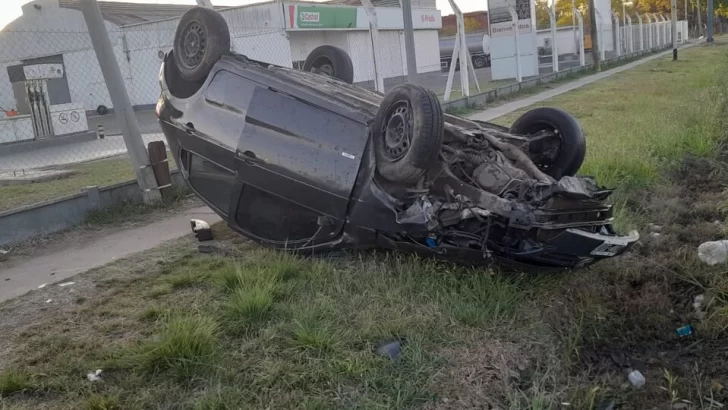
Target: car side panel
x,y
315,153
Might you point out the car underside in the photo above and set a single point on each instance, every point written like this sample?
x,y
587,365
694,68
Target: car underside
x,y
339,166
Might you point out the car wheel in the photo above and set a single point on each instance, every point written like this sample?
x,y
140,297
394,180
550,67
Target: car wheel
x,y
559,156
202,38
331,61
408,132
479,62
102,110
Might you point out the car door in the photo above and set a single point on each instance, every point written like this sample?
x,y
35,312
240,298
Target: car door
x,y
296,162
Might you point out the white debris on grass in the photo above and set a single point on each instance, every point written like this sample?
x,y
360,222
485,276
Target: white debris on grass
x,y
636,378
64,284
94,376
713,252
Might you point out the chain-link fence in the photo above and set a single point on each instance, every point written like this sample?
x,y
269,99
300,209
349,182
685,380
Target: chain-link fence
x,y
58,130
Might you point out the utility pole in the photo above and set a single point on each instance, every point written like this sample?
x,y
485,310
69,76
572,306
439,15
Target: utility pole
x,y
594,36
204,3
409,41
711,12
674,29
120,99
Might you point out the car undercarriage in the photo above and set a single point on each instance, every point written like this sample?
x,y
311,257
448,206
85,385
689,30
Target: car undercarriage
x,y
426,181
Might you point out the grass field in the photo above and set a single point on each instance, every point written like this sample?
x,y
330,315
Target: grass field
x,y
174,328
103,172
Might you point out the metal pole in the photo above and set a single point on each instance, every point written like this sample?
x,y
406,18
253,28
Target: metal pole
x,y
514,18
204,3
642,33
554,49
376,49
120,99
700,20
594,36
631,34
577,13
573,26
599,36
711,12
657,29
674,30
617,38
409,41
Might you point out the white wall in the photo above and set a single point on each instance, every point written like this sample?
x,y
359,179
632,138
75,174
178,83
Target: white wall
x,y
427,50
255,31
50,31
565,43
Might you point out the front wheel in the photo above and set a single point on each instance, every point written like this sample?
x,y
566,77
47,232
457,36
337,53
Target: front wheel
x,y
561,150
202,38
408,131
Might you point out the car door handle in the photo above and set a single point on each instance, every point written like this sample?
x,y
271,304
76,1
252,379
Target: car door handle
x,y
190,128
249,157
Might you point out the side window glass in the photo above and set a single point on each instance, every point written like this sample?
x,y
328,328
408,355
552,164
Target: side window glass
x,y
211,180
275,219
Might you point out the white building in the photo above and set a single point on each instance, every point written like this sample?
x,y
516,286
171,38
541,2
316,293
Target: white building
x,y
50,75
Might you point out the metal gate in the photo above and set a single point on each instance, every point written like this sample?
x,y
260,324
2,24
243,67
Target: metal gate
x,y
40,114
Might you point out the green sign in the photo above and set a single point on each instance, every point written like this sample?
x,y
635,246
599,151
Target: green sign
x,y
325,17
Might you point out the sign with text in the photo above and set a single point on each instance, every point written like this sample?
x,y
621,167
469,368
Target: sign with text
x,y
321,17
43,71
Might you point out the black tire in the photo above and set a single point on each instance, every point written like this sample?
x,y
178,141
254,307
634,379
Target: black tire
x,y
202,38
331,61
408,131
572,149
479,62
102,110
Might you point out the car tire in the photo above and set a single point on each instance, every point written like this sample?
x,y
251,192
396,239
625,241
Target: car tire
x,y
102,110
331,61
479,62
572,151
408,132
201,39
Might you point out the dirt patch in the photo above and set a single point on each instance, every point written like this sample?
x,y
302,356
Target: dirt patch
x,y
632,308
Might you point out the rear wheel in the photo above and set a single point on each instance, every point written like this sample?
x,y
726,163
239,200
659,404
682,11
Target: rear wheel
x,y
331,61
408,132
479,62
202,38
559,155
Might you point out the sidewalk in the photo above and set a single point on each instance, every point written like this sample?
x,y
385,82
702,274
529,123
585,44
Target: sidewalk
x,y
507,108
97,249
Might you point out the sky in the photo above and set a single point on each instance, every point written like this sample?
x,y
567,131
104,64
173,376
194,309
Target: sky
x,y
11,8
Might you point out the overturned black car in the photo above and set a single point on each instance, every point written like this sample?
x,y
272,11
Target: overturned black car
x,y
304,160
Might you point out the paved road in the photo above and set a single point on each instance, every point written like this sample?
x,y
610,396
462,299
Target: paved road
x,y
147,122
70,153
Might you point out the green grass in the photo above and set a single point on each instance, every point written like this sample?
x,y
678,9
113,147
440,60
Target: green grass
x,y
174,328
101,173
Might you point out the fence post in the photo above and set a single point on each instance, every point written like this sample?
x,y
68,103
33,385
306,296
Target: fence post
x,y
582,58
374,36
122,106
554,48
631,33
649,31
617,35
642,33
514,18
674,30
409,40
599,26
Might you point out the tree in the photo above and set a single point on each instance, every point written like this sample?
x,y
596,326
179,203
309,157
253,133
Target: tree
x,y
542,15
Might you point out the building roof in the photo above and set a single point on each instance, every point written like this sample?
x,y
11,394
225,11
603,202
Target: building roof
x,y
132,13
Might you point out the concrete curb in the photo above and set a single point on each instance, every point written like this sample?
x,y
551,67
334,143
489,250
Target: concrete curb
x,y
48,217
20,147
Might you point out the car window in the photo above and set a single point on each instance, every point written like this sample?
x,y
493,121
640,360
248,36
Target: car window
x,y
212,181
273,218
